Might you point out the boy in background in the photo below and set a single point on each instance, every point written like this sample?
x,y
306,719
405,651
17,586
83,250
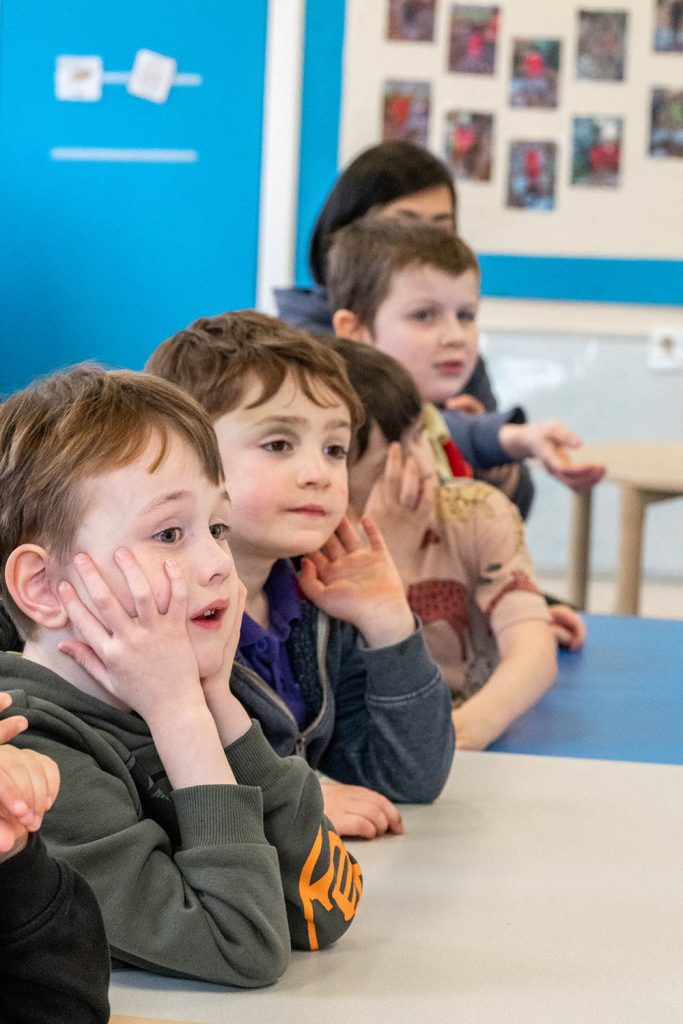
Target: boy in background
x,y
460,550
330,659
412,291
198,841
54,960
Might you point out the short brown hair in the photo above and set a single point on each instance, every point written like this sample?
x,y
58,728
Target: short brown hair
x,y
387,392
216,359
364,257
70,427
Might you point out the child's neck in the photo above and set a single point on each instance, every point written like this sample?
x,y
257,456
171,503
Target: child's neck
x,y
254,573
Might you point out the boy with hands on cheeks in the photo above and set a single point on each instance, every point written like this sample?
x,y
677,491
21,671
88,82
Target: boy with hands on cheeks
x,y
460,550
54,961
331,660
199,842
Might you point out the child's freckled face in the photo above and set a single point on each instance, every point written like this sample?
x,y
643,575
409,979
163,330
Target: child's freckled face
x,y
428,322
285,469
173,513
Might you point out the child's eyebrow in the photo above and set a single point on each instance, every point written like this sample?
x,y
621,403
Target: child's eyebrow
x,y
299,422
165,499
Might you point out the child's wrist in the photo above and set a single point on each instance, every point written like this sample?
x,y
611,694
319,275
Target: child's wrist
x,y
388,626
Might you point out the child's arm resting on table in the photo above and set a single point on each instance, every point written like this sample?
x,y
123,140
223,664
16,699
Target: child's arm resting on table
x,y
527,668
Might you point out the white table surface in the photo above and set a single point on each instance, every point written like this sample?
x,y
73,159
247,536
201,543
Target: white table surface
x,y
538,890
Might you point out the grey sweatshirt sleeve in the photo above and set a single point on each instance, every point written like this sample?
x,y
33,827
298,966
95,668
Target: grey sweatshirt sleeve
x,y
477,436
322,882
212,909
393,728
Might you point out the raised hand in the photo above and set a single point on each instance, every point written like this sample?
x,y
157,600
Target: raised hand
x,y
357,811
359,583
551,443
29,783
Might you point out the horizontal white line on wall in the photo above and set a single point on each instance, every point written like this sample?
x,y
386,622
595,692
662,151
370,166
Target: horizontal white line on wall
x,y
144,156
121,78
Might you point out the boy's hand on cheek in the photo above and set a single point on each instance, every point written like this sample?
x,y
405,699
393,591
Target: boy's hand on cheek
x,y
402,504
232,721
145,660
360,584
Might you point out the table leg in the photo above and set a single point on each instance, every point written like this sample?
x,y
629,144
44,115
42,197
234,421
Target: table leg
x,y
633,504
579,548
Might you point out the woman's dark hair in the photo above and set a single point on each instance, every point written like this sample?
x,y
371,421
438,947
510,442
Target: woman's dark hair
x,y
376,177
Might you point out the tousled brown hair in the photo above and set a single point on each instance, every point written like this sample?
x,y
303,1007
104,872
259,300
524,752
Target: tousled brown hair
x,y
72,426
217,358
365,256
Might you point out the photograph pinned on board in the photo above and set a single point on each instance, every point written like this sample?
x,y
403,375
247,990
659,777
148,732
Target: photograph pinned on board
x,y
596,151
473,38
411,20
406,112
666,124
531,175
601,48
468,145
668,26
535,72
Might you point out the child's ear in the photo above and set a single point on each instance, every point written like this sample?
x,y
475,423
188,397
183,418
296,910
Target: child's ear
x,y
347,325
33,592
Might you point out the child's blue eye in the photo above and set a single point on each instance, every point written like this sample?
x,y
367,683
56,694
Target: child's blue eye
x,y
336,451
219,531
169,536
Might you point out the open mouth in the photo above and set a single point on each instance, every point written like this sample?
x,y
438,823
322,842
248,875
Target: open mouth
x,y
211,617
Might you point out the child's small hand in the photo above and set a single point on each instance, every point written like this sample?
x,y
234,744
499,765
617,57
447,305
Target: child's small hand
x,y
139,659
569,629
401,503
359,583
550,442
29,783
357,811
468,404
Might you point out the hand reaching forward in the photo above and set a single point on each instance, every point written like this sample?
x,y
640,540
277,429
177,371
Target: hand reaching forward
x,y
401,503
359,583
29,783
138,659
550,442
357,811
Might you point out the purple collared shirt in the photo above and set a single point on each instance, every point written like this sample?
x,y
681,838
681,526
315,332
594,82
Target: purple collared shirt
x,y
265,650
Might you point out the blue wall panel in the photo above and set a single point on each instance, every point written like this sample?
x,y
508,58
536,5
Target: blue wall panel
x,y
104,260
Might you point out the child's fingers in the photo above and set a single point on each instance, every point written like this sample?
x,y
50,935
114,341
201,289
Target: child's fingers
x,y
348,535
393,470
110,612
140,591
11,727
373,533
177,605
411,485
5,700
84,656
88,625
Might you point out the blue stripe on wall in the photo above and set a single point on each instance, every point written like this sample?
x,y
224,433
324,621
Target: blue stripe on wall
x,y
658,282
320,113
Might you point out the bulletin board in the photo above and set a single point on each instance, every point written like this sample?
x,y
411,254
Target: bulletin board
x,y
576,191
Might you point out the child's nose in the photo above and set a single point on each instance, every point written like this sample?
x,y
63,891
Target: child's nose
x,y
217,560
313,468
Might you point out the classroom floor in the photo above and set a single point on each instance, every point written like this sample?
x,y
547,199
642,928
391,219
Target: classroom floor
x,y
660,599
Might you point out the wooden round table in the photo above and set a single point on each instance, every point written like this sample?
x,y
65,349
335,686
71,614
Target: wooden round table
x,y
647,472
